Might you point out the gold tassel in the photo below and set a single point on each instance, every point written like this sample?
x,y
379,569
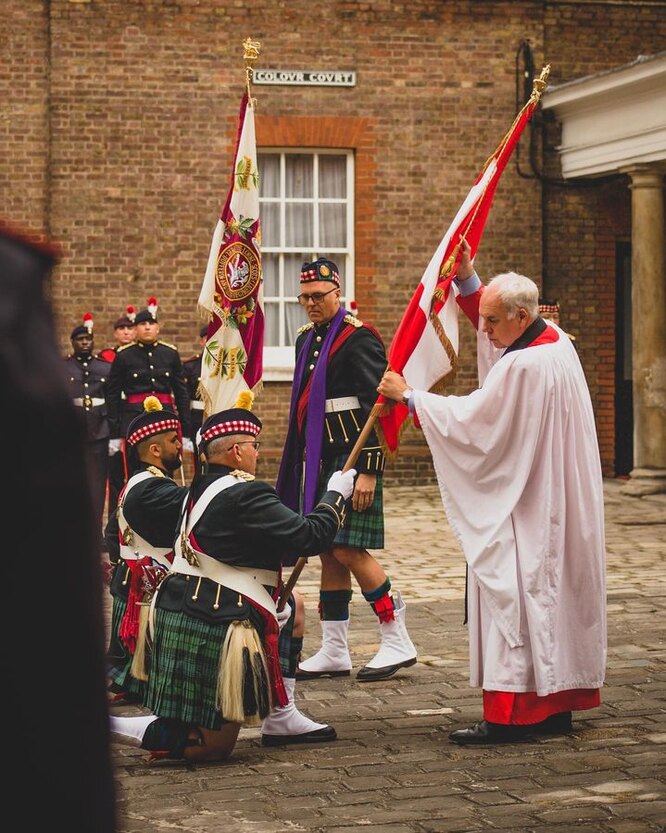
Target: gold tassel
x,y
138,667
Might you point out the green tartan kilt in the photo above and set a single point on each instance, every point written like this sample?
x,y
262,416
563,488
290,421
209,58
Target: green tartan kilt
x,y
118,658
361,529
184,663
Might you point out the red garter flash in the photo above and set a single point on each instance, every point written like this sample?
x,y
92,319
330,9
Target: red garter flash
x,y
129,626
384,608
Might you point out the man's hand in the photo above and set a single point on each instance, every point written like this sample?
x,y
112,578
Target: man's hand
x,y
392,386
364,492
342,482
283,616
466,265
115,446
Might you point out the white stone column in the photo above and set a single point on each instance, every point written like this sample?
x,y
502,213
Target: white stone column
x,y
648,300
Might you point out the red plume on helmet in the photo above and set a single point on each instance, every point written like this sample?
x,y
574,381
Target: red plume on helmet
x,y
131,312
152,306
88,322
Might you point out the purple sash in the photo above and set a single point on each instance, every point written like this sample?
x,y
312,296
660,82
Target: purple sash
x,y
288,485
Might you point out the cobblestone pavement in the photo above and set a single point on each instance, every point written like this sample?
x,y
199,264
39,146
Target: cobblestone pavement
x,y
393,768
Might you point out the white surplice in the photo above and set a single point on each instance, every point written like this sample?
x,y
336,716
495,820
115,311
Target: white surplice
x,y
518,467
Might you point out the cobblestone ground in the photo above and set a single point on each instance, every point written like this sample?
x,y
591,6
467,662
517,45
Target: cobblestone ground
x,y
393,768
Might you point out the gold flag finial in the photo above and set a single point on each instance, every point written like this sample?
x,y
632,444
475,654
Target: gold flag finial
x,y
539,84
251,53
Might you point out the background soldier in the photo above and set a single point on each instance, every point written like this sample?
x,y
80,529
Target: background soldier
x,y
147,367
124,332
87,377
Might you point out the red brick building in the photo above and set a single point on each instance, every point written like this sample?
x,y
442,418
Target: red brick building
x,y
117,127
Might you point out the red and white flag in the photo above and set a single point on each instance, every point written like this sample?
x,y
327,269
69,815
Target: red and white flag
x,y
231,297
425,346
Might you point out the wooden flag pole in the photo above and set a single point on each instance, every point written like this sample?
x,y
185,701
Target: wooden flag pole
x,y
351,460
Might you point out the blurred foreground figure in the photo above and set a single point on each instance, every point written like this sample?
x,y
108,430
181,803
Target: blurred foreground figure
x,y
52,602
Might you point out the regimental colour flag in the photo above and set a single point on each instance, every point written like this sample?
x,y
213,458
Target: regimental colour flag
x,y
231,297
425,346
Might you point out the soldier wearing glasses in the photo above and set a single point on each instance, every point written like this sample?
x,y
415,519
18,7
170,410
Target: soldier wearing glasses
x,y
339,362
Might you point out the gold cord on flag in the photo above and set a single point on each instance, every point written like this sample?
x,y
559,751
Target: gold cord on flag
x,y
251,54
538,86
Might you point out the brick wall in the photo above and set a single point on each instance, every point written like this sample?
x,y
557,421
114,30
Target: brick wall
x,y
119,123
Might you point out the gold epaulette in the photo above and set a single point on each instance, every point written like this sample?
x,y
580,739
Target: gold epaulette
x,y
305,328
125,346
154,470
353,320
242,475
167,344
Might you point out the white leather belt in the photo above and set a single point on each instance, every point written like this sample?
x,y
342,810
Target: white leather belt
x,y
249,581
88,401
196,404
343,403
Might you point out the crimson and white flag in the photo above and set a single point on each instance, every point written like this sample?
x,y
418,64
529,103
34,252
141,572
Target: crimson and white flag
x,y
425,346
231,297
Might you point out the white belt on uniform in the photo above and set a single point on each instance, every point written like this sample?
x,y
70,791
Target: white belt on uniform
x,y
196,404
343,403
90,401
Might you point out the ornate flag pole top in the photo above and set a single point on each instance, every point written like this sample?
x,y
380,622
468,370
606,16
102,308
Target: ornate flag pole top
x,y
539,84
251,53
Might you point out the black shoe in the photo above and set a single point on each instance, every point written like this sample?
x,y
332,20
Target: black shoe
x,y
313,675
556,724
317,736
486,733
370,675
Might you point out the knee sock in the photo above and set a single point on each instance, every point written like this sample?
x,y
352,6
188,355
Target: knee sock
x,y
381,602
334,605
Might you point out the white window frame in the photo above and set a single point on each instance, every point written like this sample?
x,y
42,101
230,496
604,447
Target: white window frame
x,y
279,361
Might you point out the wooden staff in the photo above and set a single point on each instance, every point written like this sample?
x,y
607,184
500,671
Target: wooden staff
x,y
351,460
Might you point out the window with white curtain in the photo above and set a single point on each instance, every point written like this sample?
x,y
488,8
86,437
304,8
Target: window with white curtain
x,y
307,211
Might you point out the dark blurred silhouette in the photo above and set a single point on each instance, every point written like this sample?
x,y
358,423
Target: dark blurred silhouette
x,y
56,735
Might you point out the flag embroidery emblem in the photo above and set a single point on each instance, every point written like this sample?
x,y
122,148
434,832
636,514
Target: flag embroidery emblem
x,y
238,271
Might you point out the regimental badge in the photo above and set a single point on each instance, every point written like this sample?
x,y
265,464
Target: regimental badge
x,y
128,537
324,271
238,271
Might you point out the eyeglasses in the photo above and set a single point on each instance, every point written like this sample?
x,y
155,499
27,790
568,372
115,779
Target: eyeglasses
x,y
255,443
315,297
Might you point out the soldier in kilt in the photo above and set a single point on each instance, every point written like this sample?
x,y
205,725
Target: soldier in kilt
x,y
141,535
339,363
221,655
